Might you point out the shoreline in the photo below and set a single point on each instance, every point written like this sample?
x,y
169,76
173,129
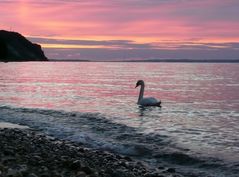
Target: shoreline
x,y
11,125
29,153
132,61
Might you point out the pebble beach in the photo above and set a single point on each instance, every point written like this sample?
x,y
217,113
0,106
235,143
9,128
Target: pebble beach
x,y
29,153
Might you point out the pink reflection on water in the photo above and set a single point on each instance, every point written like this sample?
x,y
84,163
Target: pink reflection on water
x,y
68,84
199,100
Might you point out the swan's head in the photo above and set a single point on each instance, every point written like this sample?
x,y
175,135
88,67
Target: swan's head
x,y
139,82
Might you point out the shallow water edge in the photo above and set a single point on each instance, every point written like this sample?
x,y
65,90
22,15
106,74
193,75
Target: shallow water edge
x,y
26,152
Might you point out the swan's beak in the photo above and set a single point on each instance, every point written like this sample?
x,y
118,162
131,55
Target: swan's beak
x,y
136,86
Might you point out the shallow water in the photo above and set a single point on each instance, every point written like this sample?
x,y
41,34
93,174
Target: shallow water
x,y
95,103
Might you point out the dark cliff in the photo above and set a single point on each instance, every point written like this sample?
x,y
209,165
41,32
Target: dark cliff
x,y
15,47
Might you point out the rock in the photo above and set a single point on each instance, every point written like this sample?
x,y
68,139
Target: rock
x,y
76,165
22,168
15,47
81,174
43,169
13,173
119,172
37,156
8,152
95,174
153,175
32,175
8,159
56,175
44,175
127,158
161,168
87,170
3,49
171,170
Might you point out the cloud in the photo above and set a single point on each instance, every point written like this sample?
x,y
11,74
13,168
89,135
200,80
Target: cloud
x,y
178,19
102,54
131,50
129,44
123,44
156,27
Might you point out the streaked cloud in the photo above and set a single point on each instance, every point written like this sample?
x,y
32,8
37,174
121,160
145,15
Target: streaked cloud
x,y
130,50
128,44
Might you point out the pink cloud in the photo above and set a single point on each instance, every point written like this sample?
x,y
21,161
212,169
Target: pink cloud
x,y
141,21
118,18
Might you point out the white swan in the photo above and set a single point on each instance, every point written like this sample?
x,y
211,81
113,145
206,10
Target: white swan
x,y
146,101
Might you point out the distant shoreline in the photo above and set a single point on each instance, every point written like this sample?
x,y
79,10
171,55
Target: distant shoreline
x,y
134,61
152,61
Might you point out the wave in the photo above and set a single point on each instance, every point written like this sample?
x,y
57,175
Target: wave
x,y
97,131
91,129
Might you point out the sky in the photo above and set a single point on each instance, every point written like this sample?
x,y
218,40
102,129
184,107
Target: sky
x,y
127,29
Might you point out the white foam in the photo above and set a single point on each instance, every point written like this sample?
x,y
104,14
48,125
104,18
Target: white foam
x,y
10,125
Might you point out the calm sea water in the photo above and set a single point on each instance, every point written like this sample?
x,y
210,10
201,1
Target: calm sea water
x,y
197,127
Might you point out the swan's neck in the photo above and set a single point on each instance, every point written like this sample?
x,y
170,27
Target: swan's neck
x,y
141,93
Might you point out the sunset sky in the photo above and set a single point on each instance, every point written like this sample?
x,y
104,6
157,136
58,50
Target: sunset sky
x,y
127,29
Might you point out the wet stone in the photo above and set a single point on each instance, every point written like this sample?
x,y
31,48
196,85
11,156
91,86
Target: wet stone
x,y
154,175
13,173
161,168
128,158
24,153
81,174
76,165
45,175
8,152
87,170
171,170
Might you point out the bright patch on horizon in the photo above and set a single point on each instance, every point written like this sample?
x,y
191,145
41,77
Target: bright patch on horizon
x,y
70,46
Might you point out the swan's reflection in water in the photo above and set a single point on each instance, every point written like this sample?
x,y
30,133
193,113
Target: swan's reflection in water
x,y
145,110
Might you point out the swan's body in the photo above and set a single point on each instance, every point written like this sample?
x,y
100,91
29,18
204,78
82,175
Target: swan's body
x,y
150,101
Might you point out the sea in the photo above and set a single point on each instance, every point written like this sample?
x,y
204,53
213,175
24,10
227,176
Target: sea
x,y
196,131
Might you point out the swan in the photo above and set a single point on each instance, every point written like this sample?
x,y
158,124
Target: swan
x,y
150,101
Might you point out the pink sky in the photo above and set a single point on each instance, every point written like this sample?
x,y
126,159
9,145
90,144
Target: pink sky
x,y
127,29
